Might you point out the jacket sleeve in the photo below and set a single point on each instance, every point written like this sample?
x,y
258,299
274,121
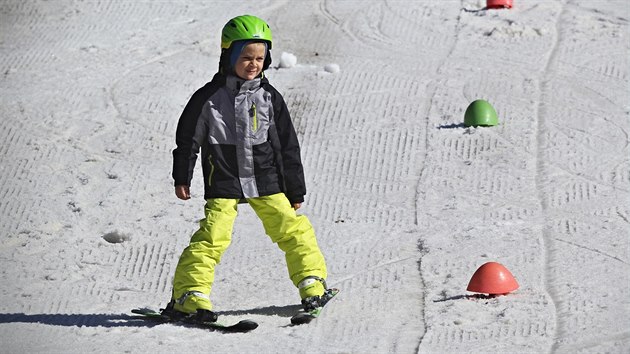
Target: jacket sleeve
x,y
185,154
293,171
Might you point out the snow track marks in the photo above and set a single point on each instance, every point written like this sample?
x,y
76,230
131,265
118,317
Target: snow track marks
x,y
407,202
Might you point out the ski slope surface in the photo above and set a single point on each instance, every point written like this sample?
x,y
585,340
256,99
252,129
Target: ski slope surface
x,y
407,202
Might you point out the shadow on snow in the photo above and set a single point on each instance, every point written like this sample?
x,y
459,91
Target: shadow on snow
x,y
77,320
123,320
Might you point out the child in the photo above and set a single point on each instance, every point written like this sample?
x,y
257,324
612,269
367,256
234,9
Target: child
x,y
250,152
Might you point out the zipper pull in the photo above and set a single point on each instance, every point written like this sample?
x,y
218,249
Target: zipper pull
x,y
254,117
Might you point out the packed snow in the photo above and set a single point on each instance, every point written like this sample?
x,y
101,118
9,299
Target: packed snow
x,y
407,202
287,60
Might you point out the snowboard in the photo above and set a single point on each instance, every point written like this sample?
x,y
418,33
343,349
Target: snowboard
x,y
304,317
239,327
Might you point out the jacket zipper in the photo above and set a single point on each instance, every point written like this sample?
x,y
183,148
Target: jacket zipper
x,y
254,117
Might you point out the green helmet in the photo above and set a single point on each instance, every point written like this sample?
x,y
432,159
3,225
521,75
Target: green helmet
x,y
480,112
245,27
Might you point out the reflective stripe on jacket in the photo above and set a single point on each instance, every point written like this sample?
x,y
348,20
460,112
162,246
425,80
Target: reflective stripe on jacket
x,y
248,144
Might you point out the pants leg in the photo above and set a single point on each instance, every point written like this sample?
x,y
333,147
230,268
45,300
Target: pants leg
x,y
195,269
293,233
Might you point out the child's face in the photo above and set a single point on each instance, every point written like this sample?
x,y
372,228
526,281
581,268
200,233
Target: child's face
x,y
250,63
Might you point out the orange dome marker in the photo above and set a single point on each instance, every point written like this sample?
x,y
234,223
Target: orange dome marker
x,y
499,4
492,278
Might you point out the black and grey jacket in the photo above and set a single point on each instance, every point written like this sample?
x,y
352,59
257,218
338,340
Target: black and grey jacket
x,y
249,147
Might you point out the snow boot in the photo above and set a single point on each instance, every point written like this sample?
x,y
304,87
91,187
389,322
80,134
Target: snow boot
x,y
312,286
312,290
171,313
203,316
192,301
200,316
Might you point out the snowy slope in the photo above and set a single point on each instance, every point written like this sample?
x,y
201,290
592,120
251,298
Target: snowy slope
x,y
406,201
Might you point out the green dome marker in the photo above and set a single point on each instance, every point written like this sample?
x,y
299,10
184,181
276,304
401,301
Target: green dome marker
x,y
480,113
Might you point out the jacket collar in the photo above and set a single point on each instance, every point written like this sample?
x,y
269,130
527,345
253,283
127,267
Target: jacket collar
x,y
236,85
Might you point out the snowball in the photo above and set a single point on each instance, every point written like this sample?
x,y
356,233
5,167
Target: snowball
x,y
287,60
332,68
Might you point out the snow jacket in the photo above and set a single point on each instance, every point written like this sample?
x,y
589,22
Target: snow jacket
x,y
248,144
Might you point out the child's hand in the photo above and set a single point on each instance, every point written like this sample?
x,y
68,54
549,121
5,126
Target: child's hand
x,y
182,192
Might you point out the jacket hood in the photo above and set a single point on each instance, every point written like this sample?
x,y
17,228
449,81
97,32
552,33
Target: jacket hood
x,y
226,67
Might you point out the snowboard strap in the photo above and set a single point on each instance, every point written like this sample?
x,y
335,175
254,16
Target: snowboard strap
x,y
310,280
183,298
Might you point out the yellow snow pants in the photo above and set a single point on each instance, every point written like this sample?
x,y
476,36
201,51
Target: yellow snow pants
x,y
293,233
